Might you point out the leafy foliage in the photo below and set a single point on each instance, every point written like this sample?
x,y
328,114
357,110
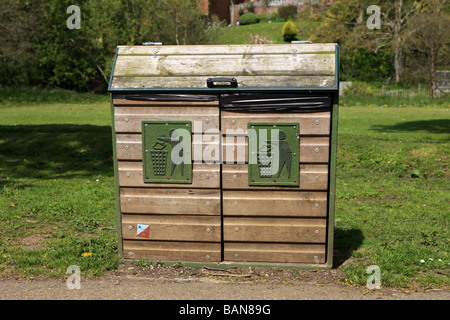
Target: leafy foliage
x,y
289,31
287,12
248,18
37,48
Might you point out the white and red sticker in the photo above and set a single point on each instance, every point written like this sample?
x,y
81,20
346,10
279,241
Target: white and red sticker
x,y
143,230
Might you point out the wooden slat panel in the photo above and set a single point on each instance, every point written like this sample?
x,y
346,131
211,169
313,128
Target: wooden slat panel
x,y
312,149
172,251
203,176
313,48
237,121
275,203
170,201
288,230
281,82
312,177
173,228
227,65
130,103
129,147
129,119
279,252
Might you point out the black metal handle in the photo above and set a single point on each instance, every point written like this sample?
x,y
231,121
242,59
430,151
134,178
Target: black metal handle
x,y
210,82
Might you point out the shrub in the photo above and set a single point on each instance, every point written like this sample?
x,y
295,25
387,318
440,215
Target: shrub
x,y
248,18
289,31
287,12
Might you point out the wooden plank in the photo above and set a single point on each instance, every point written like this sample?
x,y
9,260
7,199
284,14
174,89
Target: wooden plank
x,y
129,147
130,103
203,176
172,251
310,123
285,230
129,119
281,82
204,147
312,177
170,201
247,49
236,65
279,252
173,228
312,149
275,203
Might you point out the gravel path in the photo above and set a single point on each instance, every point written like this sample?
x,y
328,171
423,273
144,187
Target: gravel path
x,y
178,283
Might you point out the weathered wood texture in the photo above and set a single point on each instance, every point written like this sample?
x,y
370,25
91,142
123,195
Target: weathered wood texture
x,y
203,176
184,219
254,66
274,203
312,149
170,227
274,252
128,119
170,201
313,124
312,177
274,229
172,250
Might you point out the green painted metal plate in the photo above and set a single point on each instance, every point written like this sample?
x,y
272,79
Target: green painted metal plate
x,y
273,154
167,151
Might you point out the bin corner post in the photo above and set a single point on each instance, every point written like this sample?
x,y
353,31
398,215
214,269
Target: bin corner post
x,y
332,186
116,185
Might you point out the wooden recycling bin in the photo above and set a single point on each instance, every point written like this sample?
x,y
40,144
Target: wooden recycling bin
x,y
226,153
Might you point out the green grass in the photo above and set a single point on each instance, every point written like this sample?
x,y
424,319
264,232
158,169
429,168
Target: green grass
x,y
56,183
57,189
393,194
271,31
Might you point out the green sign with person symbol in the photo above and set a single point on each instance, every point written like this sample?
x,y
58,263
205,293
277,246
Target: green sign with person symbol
x,y
273,154
167,154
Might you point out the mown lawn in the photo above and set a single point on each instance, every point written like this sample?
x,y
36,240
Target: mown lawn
x,y
270,31
57,189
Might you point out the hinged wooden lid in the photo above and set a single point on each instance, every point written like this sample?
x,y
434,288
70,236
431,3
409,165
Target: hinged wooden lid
x,y
253,67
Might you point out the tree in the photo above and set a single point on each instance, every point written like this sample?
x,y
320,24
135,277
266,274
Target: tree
x,y
347,22
289,31
429,33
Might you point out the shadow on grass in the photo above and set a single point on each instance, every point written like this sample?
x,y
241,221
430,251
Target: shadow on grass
x,y
55,151
436,126
345,242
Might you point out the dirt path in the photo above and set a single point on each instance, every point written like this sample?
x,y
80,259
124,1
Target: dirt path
x,y
179,283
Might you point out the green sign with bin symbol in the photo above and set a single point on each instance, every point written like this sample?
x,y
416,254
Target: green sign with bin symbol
x,y
167,151
273,154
